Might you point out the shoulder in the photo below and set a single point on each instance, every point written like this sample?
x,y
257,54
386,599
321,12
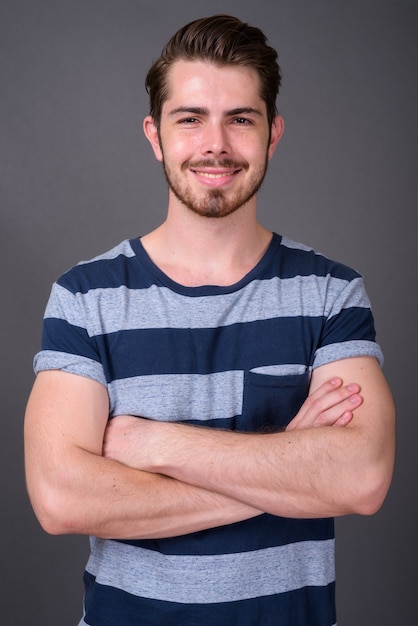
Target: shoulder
x,y
300,259
102,271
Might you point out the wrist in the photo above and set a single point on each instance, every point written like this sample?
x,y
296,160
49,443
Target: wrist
x,y
159,441
171,447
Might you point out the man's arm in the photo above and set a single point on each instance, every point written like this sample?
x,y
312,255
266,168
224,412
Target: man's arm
x,y
308,471
74,489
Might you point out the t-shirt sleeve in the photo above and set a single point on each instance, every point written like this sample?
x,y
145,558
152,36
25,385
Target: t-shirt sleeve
x,y
67,344
349,329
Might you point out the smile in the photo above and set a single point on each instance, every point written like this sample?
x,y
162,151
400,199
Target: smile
x,y
212,175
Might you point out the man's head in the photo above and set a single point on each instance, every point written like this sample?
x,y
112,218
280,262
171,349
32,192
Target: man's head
x,y
221,40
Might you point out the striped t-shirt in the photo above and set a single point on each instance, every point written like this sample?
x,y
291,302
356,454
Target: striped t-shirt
x,y
237,357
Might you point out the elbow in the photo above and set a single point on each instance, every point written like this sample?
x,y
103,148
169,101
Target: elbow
x,y
51,524
370,503
373,478
52,520
53,510
371,491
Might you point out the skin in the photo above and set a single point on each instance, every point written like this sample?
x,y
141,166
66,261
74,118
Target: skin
x,y
203,167
133,478
203,121
285,474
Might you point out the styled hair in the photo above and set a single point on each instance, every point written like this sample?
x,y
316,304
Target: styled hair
x,y
222,40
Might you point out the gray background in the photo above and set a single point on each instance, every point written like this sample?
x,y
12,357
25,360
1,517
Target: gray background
x,y
77,176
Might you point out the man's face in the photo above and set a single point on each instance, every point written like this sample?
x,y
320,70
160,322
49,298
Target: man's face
x,y
214,138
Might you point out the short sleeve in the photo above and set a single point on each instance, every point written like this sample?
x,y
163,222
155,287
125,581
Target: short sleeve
x,y
349,328
66,343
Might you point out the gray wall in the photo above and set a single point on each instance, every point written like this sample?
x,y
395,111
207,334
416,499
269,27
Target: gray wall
x,y
77,176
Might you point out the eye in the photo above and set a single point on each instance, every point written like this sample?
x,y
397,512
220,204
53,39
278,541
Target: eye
x,y
188,120
241,121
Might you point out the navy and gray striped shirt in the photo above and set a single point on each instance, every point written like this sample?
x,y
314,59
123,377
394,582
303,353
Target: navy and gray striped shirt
x,y
236,357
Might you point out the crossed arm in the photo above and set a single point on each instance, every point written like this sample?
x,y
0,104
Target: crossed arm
x,y
155,479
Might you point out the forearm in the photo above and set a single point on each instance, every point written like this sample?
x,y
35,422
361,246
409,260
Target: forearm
x,y
75,489
312,470
306,473
96,496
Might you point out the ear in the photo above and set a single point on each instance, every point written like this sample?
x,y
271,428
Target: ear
x,y
277,130
151,133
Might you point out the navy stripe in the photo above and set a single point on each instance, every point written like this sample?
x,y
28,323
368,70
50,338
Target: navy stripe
x,y
235,347
350,324
181,351
110,606
59,335
257,533
105,273
293,262
184,351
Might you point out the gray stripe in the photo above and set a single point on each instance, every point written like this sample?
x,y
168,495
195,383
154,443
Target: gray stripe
x,y
347,349
289,243
71,363
159,307
211,396
284,369
213,578
124,248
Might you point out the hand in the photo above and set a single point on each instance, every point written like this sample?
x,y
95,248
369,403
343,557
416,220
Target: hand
x,y
332,404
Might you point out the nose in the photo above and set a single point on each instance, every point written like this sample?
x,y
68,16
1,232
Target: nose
x,y
215,140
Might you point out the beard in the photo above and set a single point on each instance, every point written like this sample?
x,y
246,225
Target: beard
x,y
214,203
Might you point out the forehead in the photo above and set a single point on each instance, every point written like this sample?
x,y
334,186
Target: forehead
x,y
200,83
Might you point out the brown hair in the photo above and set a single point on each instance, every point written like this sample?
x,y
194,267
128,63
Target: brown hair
x,y
223,40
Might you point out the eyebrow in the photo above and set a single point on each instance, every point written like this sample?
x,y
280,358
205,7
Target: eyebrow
x,y
245,111
205,111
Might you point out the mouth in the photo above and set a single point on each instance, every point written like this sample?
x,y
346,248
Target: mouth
x,y
215,175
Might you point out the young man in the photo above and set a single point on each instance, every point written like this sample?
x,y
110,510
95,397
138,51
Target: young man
x,y
209,397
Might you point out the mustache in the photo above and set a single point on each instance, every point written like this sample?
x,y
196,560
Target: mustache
x,y
216,163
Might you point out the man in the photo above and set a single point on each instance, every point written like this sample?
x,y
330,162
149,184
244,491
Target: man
x,y
238,369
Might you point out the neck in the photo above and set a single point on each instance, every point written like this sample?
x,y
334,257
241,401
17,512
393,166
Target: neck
x,y
195,250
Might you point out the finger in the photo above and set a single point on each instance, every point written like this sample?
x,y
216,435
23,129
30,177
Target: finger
x,y
326,387
338,412
327,395
315,406
327,404
345,419
322,391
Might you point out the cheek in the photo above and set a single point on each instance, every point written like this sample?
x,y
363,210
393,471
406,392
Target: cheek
x,y
181,149
254,149
259,156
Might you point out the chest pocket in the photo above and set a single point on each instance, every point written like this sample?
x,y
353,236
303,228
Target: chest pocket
x,y
271,401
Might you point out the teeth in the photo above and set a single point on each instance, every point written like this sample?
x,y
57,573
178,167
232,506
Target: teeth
x,y
209,175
